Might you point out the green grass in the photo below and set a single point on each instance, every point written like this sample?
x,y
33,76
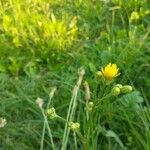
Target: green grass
x,y
43,43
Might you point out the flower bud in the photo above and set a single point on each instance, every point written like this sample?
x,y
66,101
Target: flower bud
x,y
90,106
119,86
126,89
115,91
98,75
134,16
74,126
51,113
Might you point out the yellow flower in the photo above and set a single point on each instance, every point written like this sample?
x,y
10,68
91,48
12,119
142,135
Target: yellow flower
x,y
134,16
110,71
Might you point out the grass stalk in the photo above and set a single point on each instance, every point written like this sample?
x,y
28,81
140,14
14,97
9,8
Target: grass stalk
x,y
46,122
71,110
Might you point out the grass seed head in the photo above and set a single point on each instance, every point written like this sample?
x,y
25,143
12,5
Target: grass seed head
x,y
3,122
39,102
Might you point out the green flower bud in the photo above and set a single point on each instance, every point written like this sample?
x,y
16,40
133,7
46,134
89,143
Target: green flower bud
x,y
90,106
115,91
99,75
74,126
51,113
119,86
134,16
126,89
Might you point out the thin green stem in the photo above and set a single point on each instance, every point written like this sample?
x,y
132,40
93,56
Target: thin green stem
x,y
100,100
42,138
75,140
83,140
87,112
49,131
62,119
46,122
71,111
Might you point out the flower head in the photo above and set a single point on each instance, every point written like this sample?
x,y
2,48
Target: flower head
x,y
134,16
110,71
74,126
51,113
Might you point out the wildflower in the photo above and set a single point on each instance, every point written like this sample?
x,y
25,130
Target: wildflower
x,y
39,102
110,71
115,91
51,113
134,16
126,89
3,122
74,126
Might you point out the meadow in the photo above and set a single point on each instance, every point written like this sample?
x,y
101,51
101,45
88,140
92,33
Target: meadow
x,y
74,74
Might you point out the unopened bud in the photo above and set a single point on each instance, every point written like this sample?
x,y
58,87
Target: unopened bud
x,y
115,91
119,86
90,106
51,113
134,16
126,89
39,102
98,75
74,126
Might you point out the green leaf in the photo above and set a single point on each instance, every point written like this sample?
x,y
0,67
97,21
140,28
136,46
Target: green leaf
x,y
110,133
132,98
92,68
53,18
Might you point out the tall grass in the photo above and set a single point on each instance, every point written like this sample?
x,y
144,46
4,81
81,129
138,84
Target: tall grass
x,y
43,43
